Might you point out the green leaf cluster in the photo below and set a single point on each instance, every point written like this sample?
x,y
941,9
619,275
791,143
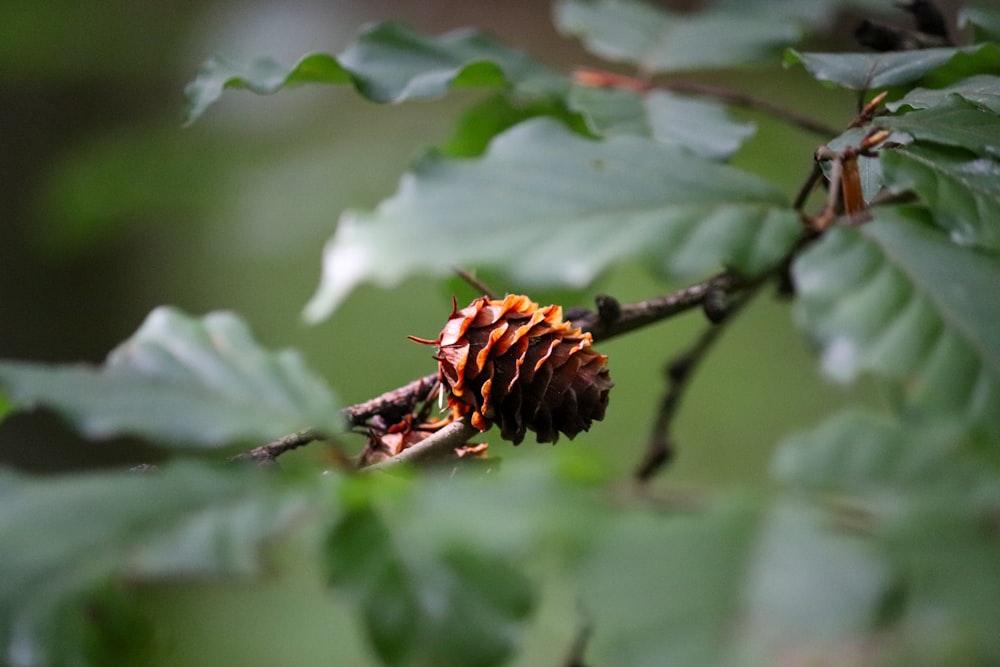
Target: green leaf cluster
x,y
876,543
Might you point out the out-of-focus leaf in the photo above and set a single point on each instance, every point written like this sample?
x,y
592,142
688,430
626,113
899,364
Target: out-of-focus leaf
x,y
182,380
664,590
973,60
870,455
799,559
962,190
5,406
263,76
955,122
388,62
477,127
981,89
550,207
814,13
658,40
65,535
922,494
458,606
704,128
865,71
985,21
895,297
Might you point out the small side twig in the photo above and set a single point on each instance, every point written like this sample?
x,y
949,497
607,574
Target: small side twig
x,y
593,77
574,657
679,371
439,446
267,454
475,282
739,98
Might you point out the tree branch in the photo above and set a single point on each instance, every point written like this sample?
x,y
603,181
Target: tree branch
x,y
643,313
437,447
610,319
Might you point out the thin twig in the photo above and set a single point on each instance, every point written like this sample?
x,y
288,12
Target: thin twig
x,y
598,78
807,187
267,454
678,371
739,98
475,282
578,648
439,446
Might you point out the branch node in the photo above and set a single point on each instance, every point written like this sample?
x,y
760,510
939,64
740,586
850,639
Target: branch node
x,y
609,310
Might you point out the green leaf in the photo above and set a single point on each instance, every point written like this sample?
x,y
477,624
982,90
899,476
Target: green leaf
x,y
816,14
922,491
663,590
981,89
985,22
550,207
263,76
387,62
704,128
871,455
182,380
456,607
657,40
865,71
479,125
798,560
896,298
64,536
962,191
955,122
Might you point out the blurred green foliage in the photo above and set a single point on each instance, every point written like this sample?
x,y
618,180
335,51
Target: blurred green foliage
x,y
869,539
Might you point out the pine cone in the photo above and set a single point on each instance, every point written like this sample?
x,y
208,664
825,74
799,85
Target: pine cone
x,y
522,367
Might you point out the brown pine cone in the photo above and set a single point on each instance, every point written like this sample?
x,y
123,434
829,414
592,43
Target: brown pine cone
x,y
522,367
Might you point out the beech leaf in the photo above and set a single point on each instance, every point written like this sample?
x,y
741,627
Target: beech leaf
x,y
981,89
895,297
865,71
550,207
182,380
962,190
985,21
658,40
388,62
63,536
704,128
954,122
